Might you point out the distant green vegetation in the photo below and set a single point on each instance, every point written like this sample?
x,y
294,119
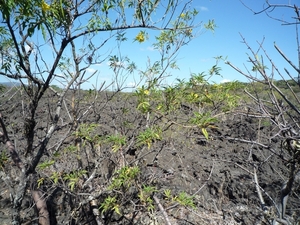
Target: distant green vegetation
x,y
55,87
2,88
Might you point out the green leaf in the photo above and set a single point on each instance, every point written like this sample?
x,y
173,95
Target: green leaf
x,y
43,32
40,181
30,31
117,209
210,25
205,133
46,164
55,176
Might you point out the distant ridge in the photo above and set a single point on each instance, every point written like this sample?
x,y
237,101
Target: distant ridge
x,y
10,84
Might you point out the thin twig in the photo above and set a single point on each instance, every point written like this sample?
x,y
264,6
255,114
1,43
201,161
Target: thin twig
x,y
163,211
286,58
261,199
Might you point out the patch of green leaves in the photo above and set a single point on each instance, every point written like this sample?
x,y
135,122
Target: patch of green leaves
x,y
168,194
117,141
40,181
73,178
171,99
3,159
204,121
210,25
45,164
110,203
85,132
143,95
55,176
184,199
149,136
2,88
71,148
124,177
145,196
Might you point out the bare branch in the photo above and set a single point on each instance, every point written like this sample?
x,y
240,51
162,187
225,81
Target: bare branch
x,y
284,56
41,207
163,211
269,7
262,202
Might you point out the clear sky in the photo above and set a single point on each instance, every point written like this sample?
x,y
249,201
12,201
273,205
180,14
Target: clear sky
x,y
232,19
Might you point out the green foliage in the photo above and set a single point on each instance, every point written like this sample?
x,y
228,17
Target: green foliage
x,y
148,189
210,25
117,141
144,107
64,63
124,177
56,88
2,88
110,203
285,84
73,178
223,96
197,80
185,200
71,148
145,196
182,198
125,110
258,65
149,136
37,15
204,121
168,194
45,164
55,176
192,97
172,99
141,37
143,99
85,130
40,181
6,51
196,93
3,159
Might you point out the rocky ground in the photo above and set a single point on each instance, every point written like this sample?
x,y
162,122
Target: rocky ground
x,y
218,173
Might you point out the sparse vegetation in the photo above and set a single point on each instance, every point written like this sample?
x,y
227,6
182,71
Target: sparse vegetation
x,y
162,154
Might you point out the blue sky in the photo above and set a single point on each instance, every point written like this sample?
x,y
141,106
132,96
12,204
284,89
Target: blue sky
x,y
232,19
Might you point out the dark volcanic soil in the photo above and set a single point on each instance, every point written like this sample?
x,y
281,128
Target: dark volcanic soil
x,y
219,172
